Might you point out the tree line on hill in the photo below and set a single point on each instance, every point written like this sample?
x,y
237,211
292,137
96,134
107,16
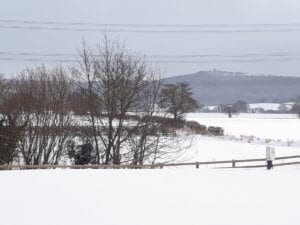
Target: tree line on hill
x,y
221,87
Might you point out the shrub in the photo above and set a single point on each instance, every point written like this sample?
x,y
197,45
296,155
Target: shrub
x,y
215,131
82,154
196,127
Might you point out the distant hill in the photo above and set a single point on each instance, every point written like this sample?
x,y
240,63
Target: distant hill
x,y
219,87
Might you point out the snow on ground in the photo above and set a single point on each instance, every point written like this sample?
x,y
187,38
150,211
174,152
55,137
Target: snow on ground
x,y
266,126
265,106
168,196
150,197
271,106
278,130
214,149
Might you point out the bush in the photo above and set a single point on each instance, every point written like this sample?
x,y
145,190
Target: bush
x,y
10,135
83,154
166,125
196,127
215,131
169,125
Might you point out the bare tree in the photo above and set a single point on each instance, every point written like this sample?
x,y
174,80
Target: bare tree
x,y
121,94
46,113
178,99
87,83
11,122
228,109
144,142
234,109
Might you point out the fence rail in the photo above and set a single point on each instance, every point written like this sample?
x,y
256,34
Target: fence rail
x,y
233,163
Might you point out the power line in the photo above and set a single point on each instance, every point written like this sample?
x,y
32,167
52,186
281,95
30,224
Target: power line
x,y
38,22
158,58
160,61
163,56
36,60
37,54
152,31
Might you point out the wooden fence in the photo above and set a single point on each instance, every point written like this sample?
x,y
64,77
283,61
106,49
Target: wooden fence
x,y
239,163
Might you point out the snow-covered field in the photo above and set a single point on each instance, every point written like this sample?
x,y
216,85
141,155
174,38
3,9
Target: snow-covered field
x,y
214,149
268,126
150,197
265,106
247,136
270,106
170,196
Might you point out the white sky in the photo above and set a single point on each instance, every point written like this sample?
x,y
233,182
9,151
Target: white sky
x,y
159,12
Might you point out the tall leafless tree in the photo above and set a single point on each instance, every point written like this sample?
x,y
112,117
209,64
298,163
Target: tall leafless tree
x,y
122,94
46,113
12,124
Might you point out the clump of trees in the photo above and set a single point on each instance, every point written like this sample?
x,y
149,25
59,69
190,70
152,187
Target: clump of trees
x,y
35,116
178,99
107,113
296,106
283,108
46,112
12,125
296,109
236,108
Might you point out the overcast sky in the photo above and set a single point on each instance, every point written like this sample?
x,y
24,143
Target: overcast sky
x,y
160,12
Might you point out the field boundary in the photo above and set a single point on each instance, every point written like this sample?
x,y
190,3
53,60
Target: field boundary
x,y
235,163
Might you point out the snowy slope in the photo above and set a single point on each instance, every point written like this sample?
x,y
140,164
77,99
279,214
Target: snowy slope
x,y
150,197
273,126
214,149
248,135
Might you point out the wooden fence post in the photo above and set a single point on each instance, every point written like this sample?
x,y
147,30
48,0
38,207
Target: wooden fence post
x,y
197,165
233,163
